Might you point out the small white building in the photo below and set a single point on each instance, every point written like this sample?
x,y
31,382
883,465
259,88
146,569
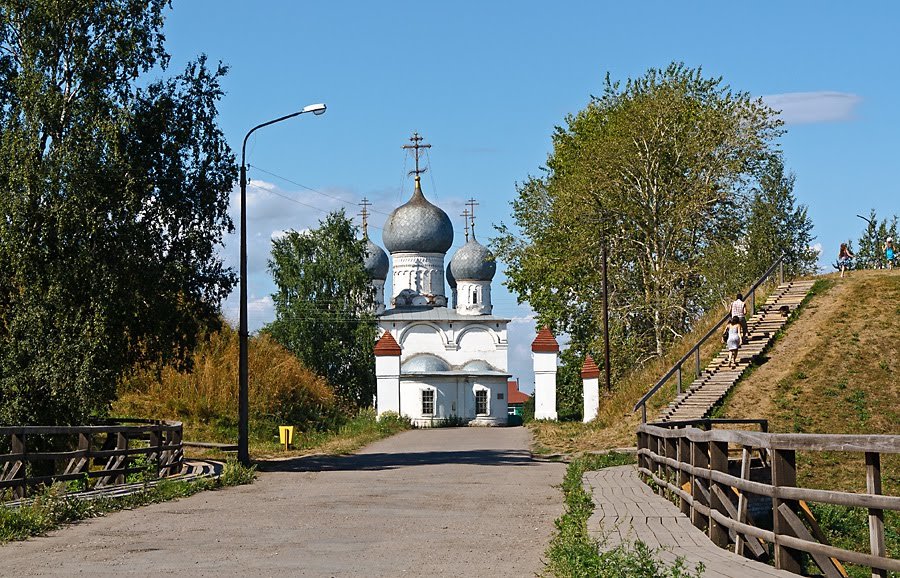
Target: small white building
x,y
436,363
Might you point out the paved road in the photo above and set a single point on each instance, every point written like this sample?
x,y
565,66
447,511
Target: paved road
x,y
443,502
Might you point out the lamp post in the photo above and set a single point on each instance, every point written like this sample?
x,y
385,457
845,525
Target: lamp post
x,y
874,232
243,397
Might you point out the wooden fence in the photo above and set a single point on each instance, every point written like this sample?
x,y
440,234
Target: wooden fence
x,y
105,453
689,461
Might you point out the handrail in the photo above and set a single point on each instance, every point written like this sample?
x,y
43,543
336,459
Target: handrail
x,y
695,350
693,467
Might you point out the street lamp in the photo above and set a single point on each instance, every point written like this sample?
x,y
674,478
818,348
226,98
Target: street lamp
x,y
243,398
874,232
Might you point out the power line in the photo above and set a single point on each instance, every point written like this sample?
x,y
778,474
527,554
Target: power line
x,y
318,192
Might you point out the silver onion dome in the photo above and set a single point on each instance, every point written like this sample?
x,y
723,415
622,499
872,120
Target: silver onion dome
x,y
418,227
376,261
473,262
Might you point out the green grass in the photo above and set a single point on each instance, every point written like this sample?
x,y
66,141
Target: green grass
x,y
848,528
574,553
54,508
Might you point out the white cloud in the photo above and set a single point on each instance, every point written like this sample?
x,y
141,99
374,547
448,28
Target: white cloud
x,y
814,107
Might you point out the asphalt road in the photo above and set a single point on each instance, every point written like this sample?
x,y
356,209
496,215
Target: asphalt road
x,y
442,502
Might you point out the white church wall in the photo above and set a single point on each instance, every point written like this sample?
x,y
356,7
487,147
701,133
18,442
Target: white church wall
x,y
453,397
421,338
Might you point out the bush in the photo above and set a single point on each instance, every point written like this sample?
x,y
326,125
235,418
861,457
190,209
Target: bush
x,y
281,391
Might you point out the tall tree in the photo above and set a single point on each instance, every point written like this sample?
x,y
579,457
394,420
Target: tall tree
x,y
324,305
114,191
777,226
656,168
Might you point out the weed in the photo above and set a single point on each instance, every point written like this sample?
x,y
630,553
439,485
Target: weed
x,y
858,400
848,528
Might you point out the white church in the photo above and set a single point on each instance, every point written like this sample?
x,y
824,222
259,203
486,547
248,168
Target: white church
x,y
438,358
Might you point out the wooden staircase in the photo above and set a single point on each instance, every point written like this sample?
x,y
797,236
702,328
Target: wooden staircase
x,y
717,378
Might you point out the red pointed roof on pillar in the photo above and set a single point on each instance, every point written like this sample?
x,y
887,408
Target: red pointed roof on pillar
x,y
545,342
590,369
387,345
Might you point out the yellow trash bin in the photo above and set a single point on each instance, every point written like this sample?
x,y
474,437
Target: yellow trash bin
x,y
286,435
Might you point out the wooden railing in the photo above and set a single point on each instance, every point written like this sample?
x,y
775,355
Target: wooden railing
x,y
694,351
689,462
102,455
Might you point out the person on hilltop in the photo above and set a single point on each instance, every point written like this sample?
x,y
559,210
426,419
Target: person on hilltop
x,y
889,252
733,340
844,256
739,310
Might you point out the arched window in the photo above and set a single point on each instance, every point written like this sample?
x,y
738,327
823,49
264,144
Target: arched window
x,y
474,296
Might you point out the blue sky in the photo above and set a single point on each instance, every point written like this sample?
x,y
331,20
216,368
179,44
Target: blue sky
x,y
485,84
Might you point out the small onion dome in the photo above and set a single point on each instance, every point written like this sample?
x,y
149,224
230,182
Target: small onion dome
x,y
473,262
479,365
376,261
451,280
418,227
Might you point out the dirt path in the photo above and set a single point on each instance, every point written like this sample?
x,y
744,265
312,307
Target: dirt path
x,y
443,502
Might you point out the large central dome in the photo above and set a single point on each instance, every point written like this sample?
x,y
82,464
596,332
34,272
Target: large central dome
x,y
418,227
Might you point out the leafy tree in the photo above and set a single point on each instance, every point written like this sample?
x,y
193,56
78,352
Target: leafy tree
x,y
658,169
324,305
114,190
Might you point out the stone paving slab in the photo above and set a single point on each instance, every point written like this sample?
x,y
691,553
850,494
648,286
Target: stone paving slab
x,y
626,509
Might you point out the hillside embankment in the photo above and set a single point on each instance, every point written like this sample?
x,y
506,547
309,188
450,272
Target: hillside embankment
x,y
836,369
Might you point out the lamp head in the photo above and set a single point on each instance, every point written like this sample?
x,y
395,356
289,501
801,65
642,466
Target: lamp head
x,y
316,109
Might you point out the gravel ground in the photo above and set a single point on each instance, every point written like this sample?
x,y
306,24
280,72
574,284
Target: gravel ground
x,y
442,502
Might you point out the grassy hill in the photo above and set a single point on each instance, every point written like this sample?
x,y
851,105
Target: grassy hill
x,y
835,370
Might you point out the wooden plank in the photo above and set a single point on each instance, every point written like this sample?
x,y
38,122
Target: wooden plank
x,y
794,526
784,473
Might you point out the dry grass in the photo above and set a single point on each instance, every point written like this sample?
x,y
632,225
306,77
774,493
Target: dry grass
x,y
281,390
836,370
616,422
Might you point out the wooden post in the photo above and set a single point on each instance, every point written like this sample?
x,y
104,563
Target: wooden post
x,y
718,461
699,459
876,516
679,380
671,471
122,444
156,442
17,446
784,474
697,360
660,450
642,445
742,498
684,457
